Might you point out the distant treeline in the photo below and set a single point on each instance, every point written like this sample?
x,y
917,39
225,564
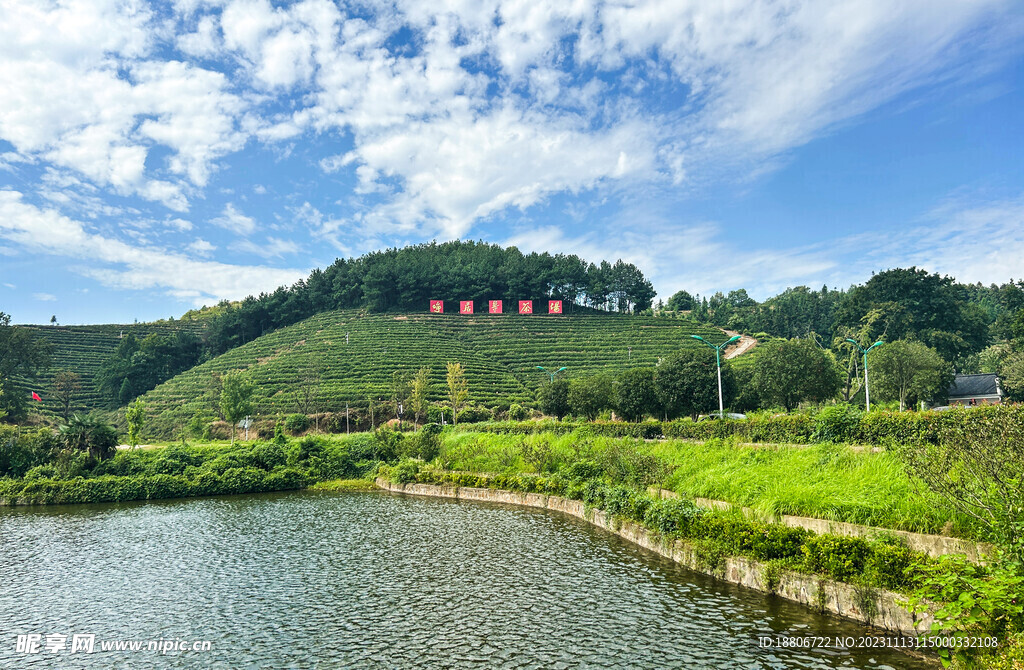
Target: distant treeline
x,y
407,279
958,320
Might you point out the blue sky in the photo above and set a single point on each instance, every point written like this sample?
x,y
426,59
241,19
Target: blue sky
x,y
155,157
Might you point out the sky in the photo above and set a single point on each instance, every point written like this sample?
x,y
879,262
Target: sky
x,y
157,157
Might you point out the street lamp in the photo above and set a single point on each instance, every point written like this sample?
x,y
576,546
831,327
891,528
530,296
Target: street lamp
x,y
862,350
550,374
718,360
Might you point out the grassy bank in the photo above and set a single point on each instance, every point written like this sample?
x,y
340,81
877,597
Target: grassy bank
x,y
824,481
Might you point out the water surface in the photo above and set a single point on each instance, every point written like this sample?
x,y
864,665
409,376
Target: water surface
x,y
375,580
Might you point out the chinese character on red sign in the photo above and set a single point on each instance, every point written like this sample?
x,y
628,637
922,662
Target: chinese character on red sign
x,y
526,307
466,307
437,306
554,306
494,307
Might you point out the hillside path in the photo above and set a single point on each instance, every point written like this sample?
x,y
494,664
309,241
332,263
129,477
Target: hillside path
x,y
745,344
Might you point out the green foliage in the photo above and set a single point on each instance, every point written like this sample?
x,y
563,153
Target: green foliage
x,y
977,465
296,423
909,371
792,371
837,423
554,398
974,600
458,388
135,416
589,396
22,355
89,434
138,365
236,399
23,450
838,557
517,412
687,383
1011,374
636,395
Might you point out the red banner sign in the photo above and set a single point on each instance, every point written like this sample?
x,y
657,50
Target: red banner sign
x,y
554,306
494,306
526,307
466,307
437,306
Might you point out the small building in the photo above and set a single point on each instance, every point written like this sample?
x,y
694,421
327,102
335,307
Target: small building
x,y
981,389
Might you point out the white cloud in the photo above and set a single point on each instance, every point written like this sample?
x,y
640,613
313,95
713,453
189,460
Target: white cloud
x,y
44,297
201,247
235,221
272,247
121,265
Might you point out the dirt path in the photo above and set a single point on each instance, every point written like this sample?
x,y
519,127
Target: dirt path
x,y
745,344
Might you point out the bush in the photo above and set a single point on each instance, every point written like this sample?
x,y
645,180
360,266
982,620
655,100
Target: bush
x,y
838,557
889,563
405,472
269,455
517,412
838,423
296,423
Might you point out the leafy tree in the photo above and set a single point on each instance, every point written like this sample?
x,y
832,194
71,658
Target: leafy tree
x,y
589,396
928,307
23,355
236,399
681,301
91,435
687,383
458,388
789,372
905,369
554,398
66,385
135,415
1011,376
635,394
418,397
401,386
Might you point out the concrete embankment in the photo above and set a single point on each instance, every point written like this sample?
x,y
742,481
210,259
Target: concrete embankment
x,y
875,607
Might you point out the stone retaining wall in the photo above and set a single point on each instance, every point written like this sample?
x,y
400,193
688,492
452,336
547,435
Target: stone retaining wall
x,y
875,607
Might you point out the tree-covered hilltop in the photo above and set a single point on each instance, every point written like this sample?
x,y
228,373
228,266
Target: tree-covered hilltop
x,y
406,279
958,320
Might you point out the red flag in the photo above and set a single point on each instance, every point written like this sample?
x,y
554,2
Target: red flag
x,y
466,307
494,307
526,307
437,306
35,396
554,306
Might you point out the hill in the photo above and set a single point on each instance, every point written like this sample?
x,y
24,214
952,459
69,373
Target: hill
x,y
354,355
83,349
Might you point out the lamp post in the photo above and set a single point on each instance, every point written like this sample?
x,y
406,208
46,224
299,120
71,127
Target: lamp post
x,y
862,350
549,373
718,361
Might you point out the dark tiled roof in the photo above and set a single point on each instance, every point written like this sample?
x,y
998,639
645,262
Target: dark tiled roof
x,y
972,386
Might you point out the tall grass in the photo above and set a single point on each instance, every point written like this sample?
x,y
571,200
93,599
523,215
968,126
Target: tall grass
x,y
823,481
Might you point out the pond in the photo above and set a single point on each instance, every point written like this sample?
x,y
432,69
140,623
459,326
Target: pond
x,y
307,579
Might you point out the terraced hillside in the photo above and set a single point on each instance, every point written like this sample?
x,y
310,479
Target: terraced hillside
x,y
83,349
355,355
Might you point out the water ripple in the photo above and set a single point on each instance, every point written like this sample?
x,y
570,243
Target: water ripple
x,y
317,580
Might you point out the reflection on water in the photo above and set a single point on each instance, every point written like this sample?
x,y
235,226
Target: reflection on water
x,y
307,579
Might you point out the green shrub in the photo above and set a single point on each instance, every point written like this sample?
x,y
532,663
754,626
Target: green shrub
x,y
405,472
888,565
838,423
517,412
269,455
838,557
296,423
